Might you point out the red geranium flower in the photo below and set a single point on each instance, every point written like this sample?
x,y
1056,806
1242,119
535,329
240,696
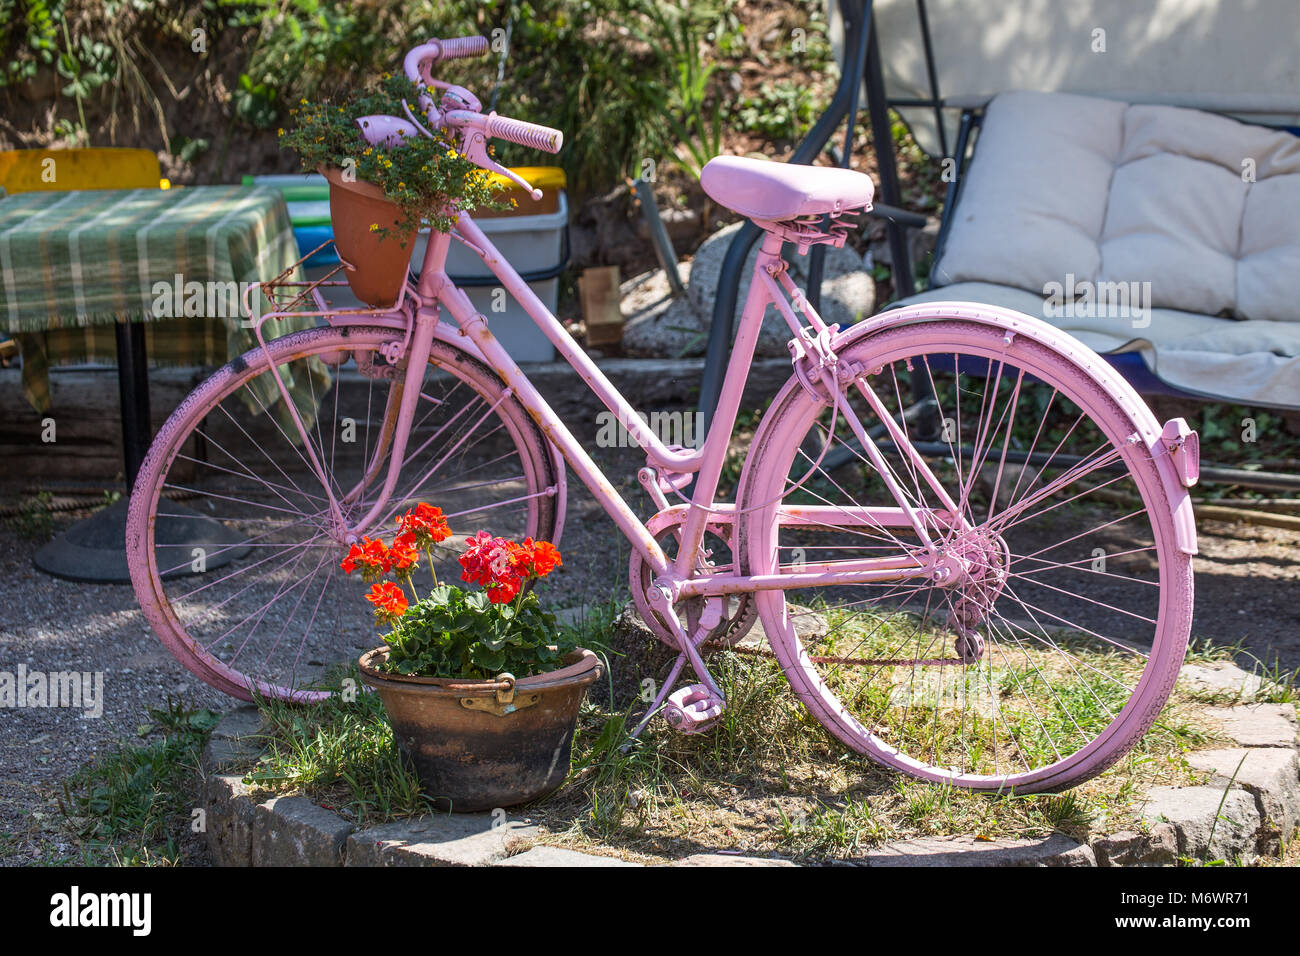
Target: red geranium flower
x,y
387,598
370,555
505,590
426,523
489,562
535,559
403,553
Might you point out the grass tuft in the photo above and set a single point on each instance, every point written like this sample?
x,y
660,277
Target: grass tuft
x,y
133,806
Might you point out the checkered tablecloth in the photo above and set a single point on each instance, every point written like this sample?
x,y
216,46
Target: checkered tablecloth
x,y
74,263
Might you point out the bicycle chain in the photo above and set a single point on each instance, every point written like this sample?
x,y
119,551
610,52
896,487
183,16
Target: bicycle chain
x,y
852,661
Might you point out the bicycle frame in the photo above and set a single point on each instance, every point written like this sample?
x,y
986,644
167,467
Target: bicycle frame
x,y
418,314
706,462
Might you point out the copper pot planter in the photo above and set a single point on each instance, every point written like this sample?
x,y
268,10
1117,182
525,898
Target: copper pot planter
x,y
380,262
479,745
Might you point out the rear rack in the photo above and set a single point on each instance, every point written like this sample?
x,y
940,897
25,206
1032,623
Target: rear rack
x,y
288,297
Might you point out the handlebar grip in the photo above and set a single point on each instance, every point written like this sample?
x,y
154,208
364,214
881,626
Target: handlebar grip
x,y
526,134
461,47
420,60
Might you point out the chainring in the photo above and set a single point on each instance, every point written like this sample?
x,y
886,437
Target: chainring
x,y
742,611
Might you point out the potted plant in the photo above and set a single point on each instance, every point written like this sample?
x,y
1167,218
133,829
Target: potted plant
x,y
385,178
480,686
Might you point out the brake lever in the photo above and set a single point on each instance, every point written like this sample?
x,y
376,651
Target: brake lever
x,y
474,147
474,142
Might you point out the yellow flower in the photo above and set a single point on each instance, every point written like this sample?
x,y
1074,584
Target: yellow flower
x,y
374,227
280,131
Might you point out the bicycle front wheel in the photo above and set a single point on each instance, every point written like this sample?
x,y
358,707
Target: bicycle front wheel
x,y
233,548
1055,641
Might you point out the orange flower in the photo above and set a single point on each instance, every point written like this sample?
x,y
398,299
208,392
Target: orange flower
x,y
536,559
546,558
353,559
371,556
426,523
403,552
387,598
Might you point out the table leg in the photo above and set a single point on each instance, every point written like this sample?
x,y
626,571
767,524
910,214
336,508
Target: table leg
x,y
133,397
93,549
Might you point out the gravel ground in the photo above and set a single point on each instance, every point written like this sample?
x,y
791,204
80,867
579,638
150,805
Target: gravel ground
x,y
1246,587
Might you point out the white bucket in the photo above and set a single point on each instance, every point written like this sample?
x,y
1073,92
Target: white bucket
x,y
531,244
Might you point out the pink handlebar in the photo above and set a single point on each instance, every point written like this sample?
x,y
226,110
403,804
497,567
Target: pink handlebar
x,y
501,127
421,58
418,66
462,47
532,135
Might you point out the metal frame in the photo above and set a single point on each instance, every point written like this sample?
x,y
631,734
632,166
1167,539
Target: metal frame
x,y
862,59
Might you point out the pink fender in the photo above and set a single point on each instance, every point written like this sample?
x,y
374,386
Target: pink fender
x,y
1017,323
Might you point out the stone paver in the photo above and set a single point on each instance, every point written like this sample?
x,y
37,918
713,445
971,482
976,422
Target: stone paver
x,y
437,840
1270,774
234,741
1054,850
658,325
1222,679
727,859
243,721
1259,725
1204,830
1157,847
558,856
229,811
293,831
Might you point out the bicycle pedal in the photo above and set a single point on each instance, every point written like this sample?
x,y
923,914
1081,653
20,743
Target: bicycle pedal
x,y
692,710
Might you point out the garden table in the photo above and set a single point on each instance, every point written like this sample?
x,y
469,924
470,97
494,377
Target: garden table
x,y
81,272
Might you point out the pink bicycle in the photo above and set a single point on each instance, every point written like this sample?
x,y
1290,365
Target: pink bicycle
x,y
1010,609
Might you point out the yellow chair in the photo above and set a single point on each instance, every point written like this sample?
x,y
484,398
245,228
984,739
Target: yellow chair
x,y
32,170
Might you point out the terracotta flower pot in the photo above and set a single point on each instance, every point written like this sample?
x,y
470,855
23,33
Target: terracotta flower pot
x,y
381,261
479,745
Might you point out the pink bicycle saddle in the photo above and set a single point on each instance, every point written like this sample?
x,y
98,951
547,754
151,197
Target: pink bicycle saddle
x,y
761,189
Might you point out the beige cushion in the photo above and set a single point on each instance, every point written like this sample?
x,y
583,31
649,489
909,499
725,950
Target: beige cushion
x,y
1203,208
1253,362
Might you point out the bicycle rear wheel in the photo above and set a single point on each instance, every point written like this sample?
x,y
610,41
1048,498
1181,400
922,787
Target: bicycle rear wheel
x,y
266,608
1054,651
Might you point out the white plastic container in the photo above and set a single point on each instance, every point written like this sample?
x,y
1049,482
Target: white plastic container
x,y
533,245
